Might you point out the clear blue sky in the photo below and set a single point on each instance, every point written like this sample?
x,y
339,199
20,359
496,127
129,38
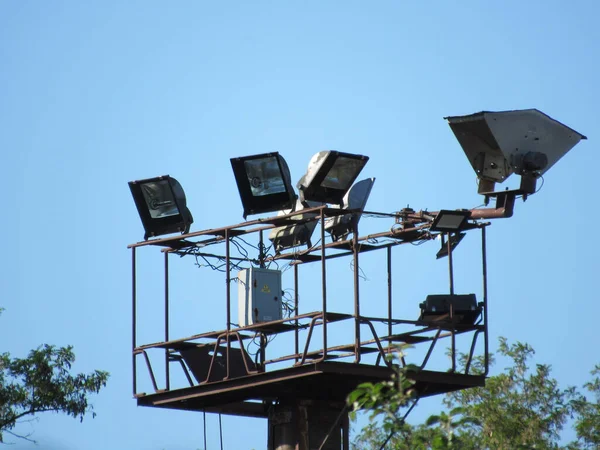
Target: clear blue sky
x,y
94,94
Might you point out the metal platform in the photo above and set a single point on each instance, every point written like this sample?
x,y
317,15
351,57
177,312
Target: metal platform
x,y
327,381
220,376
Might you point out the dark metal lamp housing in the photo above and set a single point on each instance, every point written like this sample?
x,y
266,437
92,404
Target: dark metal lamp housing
x,y
461,309
329,176
526,142
264,183
161,204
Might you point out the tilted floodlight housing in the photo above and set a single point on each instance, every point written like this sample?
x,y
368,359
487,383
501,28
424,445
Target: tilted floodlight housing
x,y
329,176
341,226
526,142
453,240
450,221
264,183
161,205
297,234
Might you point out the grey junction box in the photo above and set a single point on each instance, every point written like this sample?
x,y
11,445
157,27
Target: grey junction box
x,y
259,296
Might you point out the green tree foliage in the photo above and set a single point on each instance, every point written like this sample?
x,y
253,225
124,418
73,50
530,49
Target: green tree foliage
x,y
522,407
588,414
42,382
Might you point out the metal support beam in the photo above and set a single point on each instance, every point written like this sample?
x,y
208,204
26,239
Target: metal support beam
x,y
167,370
356,294
324,283
133,319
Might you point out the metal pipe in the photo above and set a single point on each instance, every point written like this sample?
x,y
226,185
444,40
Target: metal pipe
x,y
471,351
296,298
228,295
430,350
377,342
133,320
389,282
271,222
167,371
450,267
505,204
324,283
311,327
152,377
395,233
485,302
356,294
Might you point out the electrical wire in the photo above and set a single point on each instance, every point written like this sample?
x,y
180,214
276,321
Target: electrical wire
x,y
401,422
540,188
247,243
361,273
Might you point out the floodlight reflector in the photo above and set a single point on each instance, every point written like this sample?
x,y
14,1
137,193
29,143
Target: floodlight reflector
x,y
297,234
341,226
450,221
329,176
525,142
162,205
264,183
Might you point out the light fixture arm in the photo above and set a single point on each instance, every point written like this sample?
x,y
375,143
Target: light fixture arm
x,y
505,204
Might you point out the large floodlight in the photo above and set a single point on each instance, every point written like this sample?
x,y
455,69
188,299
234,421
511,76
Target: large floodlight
x,y
329,176
526,142
297,234
462,309
448,221
161,205
341,226
263,182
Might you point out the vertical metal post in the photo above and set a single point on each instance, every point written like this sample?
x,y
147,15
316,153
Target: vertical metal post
x,y
167,371
451,273
133,320
228,293
485,300
389,282
324,282
450,265
356,294
296,298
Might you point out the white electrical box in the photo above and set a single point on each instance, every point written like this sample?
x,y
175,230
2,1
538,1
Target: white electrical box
x,y
259,296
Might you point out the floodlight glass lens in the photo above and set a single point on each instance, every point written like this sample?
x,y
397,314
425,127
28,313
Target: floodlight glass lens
x,y
450,222
264,176
159,199
342,173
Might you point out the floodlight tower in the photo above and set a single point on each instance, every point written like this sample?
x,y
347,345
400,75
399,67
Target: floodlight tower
x,y
301,386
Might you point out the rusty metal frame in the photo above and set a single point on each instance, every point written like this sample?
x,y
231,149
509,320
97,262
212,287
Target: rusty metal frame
x,y
226,336
415,227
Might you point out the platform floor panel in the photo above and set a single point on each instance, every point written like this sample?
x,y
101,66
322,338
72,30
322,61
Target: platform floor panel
x,y
328,381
